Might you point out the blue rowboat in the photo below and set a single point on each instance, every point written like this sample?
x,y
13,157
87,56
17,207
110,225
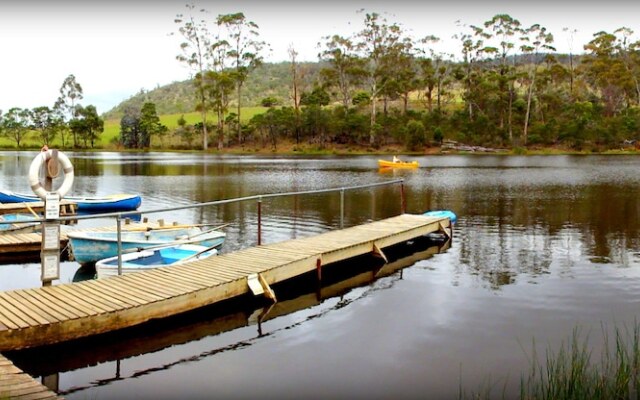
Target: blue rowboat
x,y
442,214
114,203
154,258
92,246
18,222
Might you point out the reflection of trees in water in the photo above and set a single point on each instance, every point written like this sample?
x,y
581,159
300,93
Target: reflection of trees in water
x,y
525,232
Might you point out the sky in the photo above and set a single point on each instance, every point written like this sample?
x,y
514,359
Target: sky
x,y
116,48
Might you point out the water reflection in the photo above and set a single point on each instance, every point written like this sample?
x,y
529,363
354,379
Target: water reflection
x,y
542,244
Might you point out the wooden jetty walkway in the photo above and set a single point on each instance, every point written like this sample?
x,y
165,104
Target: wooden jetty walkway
x,y
47,315
67,208
15,384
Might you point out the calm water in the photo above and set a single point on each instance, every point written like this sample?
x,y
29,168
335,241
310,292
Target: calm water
x,y
543,245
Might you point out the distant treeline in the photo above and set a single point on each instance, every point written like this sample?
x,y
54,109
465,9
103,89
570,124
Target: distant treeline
x,y
508,88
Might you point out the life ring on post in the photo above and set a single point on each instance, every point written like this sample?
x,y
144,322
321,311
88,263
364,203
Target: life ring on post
x,y
34,174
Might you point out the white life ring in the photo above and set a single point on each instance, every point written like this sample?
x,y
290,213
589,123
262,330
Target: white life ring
x,y
34,174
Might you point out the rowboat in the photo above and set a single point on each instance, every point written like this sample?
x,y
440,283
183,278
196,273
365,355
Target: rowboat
x,y
115,202
18,222
153,258
397,164
92,245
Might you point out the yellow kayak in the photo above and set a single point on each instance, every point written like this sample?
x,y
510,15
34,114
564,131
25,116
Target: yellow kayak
x,y
399,164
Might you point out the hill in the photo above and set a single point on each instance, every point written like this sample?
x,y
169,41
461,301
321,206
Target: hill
x,y
268,80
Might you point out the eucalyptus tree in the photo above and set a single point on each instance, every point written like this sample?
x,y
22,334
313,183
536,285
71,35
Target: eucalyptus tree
x,y
536,39
571,33
434,73
400,75
629,53
220,84
150,124
374,43
605,69
195,54
46,122
245,51
130,131
15,123
87,124
472,54
344,70
65,105
504,28
296,90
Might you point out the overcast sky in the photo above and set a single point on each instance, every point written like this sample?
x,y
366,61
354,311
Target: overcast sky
x,y
115,48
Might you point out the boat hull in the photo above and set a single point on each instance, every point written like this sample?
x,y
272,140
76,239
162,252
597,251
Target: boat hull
x,y
19,222
442,213
120,202
391,164
90,246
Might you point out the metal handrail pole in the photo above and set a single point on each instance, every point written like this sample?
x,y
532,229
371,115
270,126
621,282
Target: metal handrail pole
x,y
119,235
221,202
259,221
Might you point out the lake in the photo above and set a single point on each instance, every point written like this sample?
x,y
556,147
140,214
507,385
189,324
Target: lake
x,y
544,246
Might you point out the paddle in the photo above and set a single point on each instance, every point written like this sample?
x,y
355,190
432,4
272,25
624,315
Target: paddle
x,y
186,240
156,228
194,255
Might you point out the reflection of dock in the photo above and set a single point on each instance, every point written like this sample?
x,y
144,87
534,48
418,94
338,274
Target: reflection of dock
x,y
16,384
35,317
297,294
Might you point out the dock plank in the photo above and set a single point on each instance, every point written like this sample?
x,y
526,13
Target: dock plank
x,y
15,384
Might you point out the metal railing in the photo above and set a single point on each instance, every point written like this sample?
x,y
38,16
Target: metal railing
x,y
119,216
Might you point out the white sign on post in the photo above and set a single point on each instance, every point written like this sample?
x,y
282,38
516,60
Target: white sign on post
x,y
52,206
50,266
51,237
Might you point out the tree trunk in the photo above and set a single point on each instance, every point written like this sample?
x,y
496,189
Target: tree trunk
x,y
239,125
526,118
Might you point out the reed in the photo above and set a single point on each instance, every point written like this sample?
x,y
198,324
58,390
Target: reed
x,y
573,372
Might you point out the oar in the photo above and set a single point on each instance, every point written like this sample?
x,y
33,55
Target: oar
x,y
194,255
31,210
186,240
157,228
208,231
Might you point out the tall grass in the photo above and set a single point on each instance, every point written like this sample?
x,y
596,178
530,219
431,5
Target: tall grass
x,y
573,372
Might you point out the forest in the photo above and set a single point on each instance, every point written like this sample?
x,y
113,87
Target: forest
x,y
507,88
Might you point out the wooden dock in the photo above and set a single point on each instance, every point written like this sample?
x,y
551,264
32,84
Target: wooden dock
x,y
67,208
47,315
15,384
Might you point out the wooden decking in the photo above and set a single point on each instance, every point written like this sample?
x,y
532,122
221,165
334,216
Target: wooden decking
x,y
66,207
15,384
34,317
